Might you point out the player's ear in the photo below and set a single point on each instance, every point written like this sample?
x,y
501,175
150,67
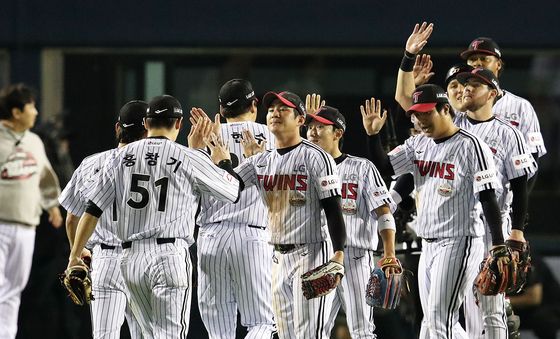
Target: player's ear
x,y
338,133
117,128
300,120
179,123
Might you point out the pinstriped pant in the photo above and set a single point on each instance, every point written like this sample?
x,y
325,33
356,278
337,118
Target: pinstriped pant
x,y
446,271
351,293
234,274
110,306
297,317
488,319
158,277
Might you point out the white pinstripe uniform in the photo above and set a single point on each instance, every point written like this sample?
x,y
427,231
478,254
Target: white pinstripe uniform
x,y
110,306
234,257
448,174
521,114
363,190
157,183
292,181
513,159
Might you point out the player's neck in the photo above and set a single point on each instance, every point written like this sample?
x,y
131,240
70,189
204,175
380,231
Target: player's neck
x,y
287,140
163,132
243,117
482,114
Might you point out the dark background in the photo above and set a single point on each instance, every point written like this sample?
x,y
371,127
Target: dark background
x,y
347,51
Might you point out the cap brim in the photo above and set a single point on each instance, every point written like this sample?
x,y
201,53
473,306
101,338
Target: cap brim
x,y
269,97
320,119
464,77
465,54
422,108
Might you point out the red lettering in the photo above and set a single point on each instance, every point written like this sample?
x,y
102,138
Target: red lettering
x,y
450,169
289,182
302,182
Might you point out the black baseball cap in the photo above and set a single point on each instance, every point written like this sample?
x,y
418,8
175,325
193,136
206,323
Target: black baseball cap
x,y
164,106
484,46
236,92
132,114
329,116
426,97
483,74
454,70
287,98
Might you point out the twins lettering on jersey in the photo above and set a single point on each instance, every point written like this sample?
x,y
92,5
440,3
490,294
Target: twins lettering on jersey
x,y
283,182
436,169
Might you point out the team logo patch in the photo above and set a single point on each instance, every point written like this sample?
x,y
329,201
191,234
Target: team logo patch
x,y
349,207
330,182
522,161
297,198
445,190
484,177
535,139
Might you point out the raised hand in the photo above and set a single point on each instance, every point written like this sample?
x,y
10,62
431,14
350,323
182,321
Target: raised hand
x,y
372,118
419,37
422,70
250,145
218,150
313,103
200,129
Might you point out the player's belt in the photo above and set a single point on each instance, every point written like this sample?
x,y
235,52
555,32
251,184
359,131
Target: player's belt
x,y
284,248
107,247
430,239
159,241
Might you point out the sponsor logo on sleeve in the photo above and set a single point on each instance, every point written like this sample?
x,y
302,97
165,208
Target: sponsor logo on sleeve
x,y
484,177
522,161
535,139
329,182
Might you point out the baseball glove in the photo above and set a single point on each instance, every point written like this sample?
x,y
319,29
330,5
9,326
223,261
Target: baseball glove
x,y
490,281
321,280
77,282
383,292
523,264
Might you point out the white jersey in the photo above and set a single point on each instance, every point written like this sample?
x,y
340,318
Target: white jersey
x,y
511,154
74,201
250,209
448,174
157,184
521,114
363,190
292,185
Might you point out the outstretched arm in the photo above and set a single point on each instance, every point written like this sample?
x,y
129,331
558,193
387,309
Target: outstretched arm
x,y
373,120
405,78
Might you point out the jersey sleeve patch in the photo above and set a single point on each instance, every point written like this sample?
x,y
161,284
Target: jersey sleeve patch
x,y
535,139
522,161
397,150
484,177
329,182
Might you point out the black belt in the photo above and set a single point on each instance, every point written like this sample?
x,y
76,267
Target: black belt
x,y
107,247
159,241
284,248
259,227
430,239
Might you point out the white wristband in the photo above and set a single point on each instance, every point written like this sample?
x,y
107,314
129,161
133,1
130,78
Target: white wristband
x,y
386,222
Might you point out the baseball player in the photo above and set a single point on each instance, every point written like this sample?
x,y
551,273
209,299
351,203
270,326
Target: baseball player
x,y
515,165
513,161
156,183
296,181
485,52
367,207
234,266
110,306
28,184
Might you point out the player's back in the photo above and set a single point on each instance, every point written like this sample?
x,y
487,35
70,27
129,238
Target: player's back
x,y
157,187
250,208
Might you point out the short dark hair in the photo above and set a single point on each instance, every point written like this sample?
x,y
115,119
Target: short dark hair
x,y
14,96
232,112
161,122
128,135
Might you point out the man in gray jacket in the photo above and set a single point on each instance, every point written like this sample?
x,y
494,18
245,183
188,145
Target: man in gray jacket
x,y
28,184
